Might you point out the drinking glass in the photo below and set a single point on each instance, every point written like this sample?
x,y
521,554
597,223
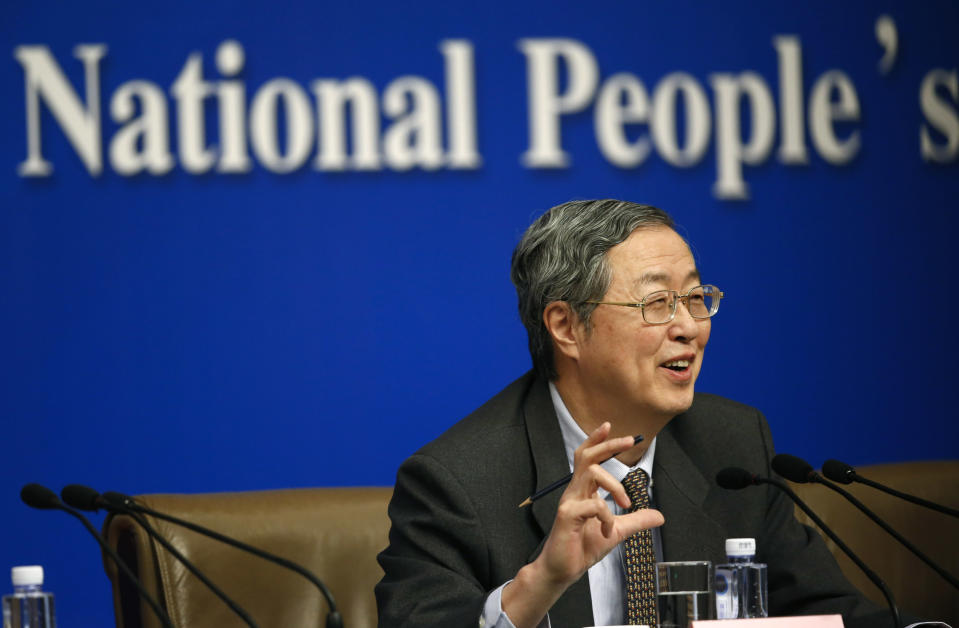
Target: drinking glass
x,y
684,593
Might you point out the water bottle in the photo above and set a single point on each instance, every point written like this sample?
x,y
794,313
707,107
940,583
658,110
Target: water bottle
x,y
741,589
28,606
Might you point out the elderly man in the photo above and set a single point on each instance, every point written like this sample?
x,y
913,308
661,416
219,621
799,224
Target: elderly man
x,y
618,319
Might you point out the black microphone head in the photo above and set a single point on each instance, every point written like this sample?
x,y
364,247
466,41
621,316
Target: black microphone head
x,y
39,496
793,468
80,497
116,500
838,471
735,478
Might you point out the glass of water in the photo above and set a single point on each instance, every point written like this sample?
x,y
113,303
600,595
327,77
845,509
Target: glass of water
x,y
684,593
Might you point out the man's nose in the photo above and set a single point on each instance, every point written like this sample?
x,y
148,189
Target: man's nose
x,y
683,324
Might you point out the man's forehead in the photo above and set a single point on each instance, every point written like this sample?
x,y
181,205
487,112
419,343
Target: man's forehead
x,y
661,276
652,256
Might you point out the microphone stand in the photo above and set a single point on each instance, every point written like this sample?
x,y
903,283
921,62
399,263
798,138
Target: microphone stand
x,y
183,559
29,495
798,470
333,619
815,477
755,479
842,472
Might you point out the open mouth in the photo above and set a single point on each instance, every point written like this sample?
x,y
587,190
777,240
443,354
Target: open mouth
x,y
677,365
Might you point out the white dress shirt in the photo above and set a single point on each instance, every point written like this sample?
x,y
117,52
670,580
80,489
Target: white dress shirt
x,y
607,584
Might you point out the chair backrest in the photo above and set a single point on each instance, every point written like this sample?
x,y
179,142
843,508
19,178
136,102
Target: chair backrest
x,y
915,586
334,532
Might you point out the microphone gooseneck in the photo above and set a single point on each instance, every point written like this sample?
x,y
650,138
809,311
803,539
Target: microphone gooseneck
x,y
333,618
791,466
38,496
845,474
872,575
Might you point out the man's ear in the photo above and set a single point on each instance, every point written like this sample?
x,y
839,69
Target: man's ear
x,y
565,328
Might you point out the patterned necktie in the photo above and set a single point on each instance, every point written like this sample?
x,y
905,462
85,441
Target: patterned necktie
x,y
640,558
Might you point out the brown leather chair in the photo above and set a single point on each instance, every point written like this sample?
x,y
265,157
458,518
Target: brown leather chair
x,y
334,532
914,585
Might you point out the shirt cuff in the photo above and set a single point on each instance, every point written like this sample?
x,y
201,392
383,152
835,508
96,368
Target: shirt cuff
x,y
495,617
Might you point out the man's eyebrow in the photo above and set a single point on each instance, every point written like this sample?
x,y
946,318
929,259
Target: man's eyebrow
x,y
661,277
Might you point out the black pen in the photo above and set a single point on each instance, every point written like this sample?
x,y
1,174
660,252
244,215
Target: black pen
x,y
564,481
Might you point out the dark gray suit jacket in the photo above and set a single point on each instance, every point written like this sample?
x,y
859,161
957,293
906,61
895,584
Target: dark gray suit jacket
x,y
457,533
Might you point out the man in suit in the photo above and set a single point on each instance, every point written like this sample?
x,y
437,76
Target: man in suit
x,y
618,319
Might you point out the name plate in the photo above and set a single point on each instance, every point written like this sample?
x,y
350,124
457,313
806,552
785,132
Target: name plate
x,y
808,621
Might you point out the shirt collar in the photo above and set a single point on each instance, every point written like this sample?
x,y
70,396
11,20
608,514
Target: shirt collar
x,y
573,437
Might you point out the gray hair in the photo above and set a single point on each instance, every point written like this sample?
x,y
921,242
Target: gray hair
x,y
562,257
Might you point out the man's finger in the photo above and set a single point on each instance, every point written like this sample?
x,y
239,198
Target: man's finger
x,y
606,519
605,480
642,519
595,437
582,510
598,435
587,480
589,453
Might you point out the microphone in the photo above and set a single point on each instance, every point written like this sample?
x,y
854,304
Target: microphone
x,y
333,618
87,498
845,474
799,471
735,478
81,497
40,497
794,469
838,471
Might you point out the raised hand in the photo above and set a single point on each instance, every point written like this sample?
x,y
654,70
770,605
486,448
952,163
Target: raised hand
x,y
583,532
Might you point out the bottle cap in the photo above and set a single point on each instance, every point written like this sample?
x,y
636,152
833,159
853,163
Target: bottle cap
x,y
27,575
740,547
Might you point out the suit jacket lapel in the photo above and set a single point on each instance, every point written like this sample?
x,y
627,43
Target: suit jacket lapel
x,y
680,491
548,450
574,608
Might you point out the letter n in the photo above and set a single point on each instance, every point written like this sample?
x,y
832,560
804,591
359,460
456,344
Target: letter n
x,y
44,80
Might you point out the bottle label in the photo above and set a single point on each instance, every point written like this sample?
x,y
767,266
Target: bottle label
x,y
727,601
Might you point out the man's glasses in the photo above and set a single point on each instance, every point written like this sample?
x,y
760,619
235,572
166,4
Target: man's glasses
x,y
660,307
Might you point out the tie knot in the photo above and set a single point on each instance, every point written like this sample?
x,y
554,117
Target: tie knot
x,y
636,484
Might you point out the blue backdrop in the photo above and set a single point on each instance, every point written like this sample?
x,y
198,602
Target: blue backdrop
x,y
251,246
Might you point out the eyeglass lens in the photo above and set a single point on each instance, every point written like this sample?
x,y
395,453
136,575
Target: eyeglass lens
x,y
702,302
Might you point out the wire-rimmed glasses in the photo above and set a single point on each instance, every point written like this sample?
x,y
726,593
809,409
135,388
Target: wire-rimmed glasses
x,y
660,307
